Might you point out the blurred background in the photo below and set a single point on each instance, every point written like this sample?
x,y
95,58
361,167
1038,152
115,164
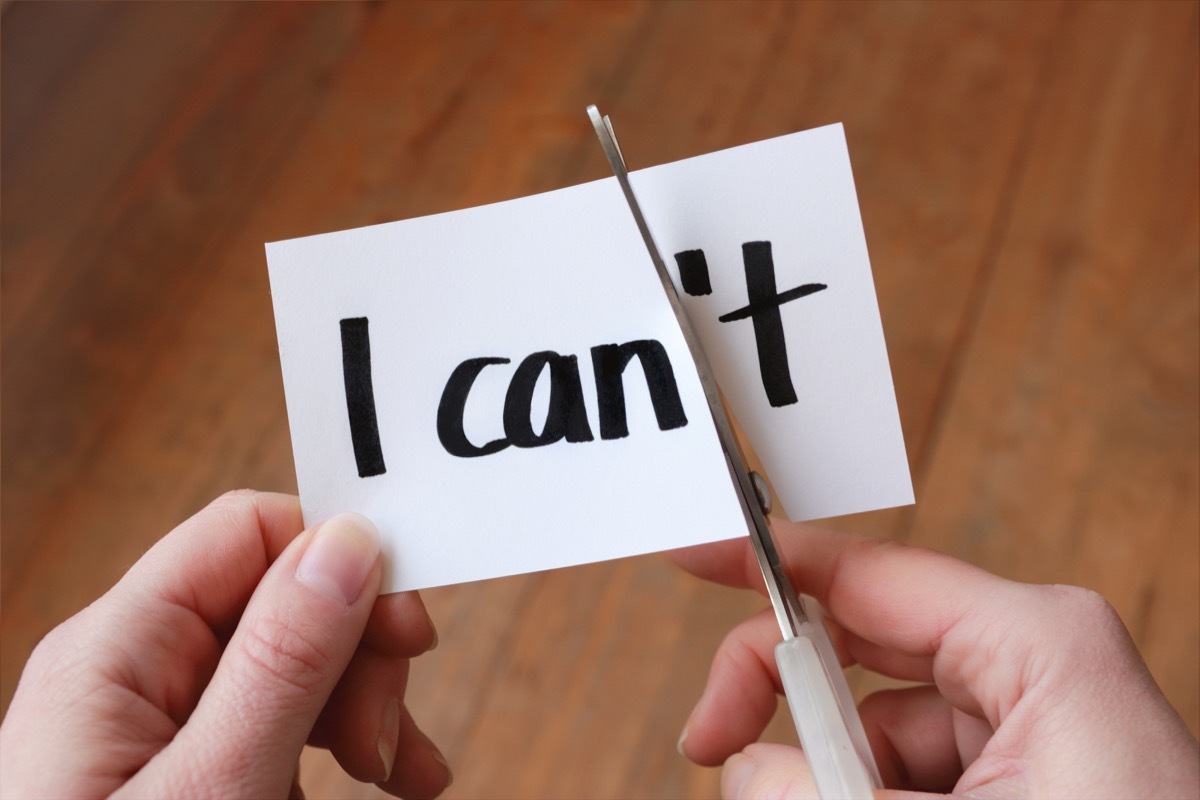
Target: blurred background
x,y
1029,178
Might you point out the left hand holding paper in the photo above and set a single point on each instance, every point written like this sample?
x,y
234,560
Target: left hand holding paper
x,y
232,643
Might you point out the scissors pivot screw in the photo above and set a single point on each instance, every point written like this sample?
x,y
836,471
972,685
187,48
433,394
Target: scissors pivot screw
x,y
762,491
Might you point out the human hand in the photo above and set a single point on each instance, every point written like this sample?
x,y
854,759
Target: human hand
x,y
1035,690
234,641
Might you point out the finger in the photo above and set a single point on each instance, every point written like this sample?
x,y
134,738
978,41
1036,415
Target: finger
x,y
190,588
765,770
865,583
730,563
776,772
295,792
359,723
853,649
400,626
211,563
903,598
295,639
419,771
354,711
909,601
740,696
923,604
733,563
912,734
352,725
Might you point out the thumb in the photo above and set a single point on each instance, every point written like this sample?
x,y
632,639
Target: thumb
x,y
766,771
763,771
294,641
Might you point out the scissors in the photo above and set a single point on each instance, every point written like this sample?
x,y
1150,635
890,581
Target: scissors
x,y
822,707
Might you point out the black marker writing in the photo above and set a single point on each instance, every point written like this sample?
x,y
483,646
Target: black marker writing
x,y
693,272
450,410
762,309
360,397
609,362
566,416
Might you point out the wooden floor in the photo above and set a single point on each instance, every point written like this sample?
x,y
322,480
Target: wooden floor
x,y
1028,175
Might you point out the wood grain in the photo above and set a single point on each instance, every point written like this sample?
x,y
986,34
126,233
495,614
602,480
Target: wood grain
x,y
1028,180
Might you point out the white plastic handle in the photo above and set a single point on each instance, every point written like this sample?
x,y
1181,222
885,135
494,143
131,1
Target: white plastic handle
x,y
831,732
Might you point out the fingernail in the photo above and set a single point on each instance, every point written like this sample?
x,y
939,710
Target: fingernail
x,y
735,775
340,557
441,759
433,645
687,726
389,733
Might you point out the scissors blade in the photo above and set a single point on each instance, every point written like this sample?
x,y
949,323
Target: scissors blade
x,y
788,609
818,695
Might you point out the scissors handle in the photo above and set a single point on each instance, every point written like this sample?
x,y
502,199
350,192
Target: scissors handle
x,y
822,707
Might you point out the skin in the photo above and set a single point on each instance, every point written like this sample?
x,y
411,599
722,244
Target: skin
x,y
221,652
1029,690
240,637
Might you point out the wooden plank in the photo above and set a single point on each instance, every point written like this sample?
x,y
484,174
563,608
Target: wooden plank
x,y
936,131
80,109
39,47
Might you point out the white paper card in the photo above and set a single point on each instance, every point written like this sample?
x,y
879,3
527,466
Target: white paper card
x,y
462,379
838,449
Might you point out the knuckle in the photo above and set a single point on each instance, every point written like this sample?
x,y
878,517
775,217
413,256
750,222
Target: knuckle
x,y
736,655
1086,629
235,504
1086,608
47,664
738,650
745,657
235,496
280,653
52,646
59,649
66,665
